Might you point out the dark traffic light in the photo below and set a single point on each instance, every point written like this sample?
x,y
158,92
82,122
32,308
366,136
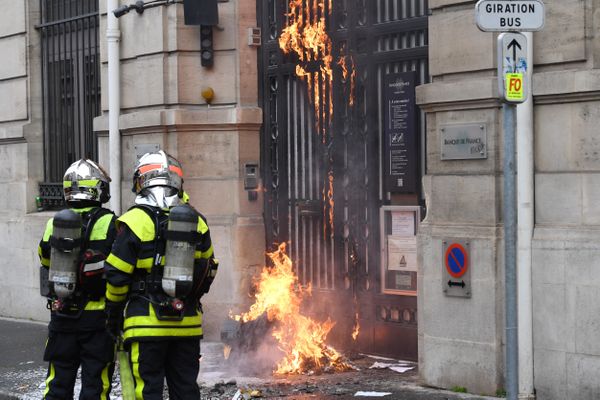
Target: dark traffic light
x,y
206,45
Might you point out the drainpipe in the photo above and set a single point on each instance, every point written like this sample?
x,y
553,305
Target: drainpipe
x,y
525,215
113,34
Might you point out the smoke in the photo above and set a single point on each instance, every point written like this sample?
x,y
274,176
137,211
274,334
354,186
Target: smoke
x,y
253,349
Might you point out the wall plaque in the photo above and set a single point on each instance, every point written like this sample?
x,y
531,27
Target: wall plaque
x,y
463,142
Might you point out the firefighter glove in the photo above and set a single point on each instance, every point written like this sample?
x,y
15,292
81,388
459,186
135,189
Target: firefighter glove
x,y
114,319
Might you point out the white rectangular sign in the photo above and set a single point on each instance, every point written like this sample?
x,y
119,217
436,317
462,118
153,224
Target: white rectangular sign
x,y
512,67
504,15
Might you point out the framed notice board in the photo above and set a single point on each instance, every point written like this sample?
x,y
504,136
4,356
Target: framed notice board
x,y
399,227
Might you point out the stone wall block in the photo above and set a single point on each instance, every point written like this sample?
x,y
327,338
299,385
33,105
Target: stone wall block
x,y
443,93
209,153
463,199
192,78
14,197
14,165
582,373
142,34
586,299
548,262
552,122
581,264
563,36
142,81
591,194
446,29
550,374
214,197
13,48
248,55
573,126
12,19
249,241
223,292
549,316
558,199
447,362
20,285
13,100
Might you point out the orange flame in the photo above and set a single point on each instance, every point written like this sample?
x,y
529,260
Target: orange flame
x,y
302,339
305,35
348,70
329,203
356,329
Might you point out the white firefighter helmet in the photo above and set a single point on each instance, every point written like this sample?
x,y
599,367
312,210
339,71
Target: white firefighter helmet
x,y
157,169
86,181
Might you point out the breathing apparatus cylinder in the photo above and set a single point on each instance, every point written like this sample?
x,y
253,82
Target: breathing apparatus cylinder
x,y
65,243
182,234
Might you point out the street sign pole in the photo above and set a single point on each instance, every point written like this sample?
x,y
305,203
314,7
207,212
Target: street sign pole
x,y
511,17
513,87
510,254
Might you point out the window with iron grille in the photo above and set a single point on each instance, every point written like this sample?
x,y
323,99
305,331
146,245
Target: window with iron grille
x,y
71,88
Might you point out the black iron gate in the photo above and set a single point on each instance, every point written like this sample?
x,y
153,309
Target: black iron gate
x,y
71,87
323,64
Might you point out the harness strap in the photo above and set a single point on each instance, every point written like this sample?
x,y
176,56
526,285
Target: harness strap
x,y
192,237
65,244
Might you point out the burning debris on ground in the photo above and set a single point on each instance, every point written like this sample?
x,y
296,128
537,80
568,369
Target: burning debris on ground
x,y
300,386
276,313
274,350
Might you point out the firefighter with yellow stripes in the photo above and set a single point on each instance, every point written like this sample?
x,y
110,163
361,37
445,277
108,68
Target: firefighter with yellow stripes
x,y
72,253
160,265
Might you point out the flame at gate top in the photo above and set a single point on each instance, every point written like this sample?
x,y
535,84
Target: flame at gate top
x,y
302,339
305,35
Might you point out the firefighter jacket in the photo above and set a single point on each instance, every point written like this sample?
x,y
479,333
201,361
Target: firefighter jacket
x,y
134,272
84,311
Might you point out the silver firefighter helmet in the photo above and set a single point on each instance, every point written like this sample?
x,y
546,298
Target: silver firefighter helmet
x,y
86,181
157,169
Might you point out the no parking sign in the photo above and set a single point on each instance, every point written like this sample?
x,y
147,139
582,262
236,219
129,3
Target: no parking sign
x,y
456,277
457,260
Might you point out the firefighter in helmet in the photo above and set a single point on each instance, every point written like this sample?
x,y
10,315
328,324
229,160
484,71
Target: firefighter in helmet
x,y
72,253
160,265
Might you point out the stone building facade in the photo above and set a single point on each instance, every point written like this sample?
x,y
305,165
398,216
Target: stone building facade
x,y
461,340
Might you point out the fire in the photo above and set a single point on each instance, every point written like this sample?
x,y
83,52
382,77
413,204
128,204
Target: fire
x,y
348,71
356,329
305,35
328,204
302,339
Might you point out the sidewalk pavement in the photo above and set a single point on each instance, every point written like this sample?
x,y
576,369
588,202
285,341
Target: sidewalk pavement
x,y
23,372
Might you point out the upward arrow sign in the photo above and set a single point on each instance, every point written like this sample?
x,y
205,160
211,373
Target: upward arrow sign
x,y
514,44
